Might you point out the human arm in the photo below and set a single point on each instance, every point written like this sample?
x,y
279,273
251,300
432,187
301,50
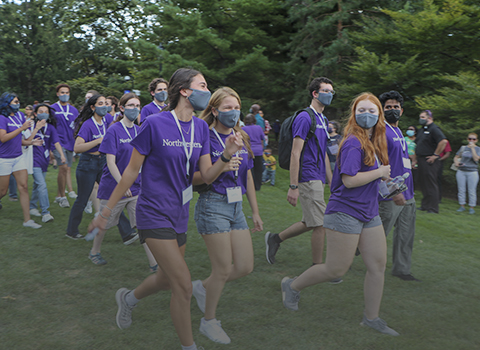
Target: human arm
x,y
363,178
445,156
5,137
328,169
252,199
475,156
31,139
112,167
60,151
81,146
297,147
440,147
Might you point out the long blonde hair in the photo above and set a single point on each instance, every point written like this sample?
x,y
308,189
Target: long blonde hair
x,y
377,144
215,101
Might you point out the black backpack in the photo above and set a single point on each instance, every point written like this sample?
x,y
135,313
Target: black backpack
x,y
285,140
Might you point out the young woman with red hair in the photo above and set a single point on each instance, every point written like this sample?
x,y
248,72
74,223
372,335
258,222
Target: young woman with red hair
x,y
351,218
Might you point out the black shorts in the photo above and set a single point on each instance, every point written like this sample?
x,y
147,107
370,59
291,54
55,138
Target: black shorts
x,y
163,233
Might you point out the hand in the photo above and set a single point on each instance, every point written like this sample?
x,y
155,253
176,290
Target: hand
x,y
431,159
233,164
37,142
63,159
399,199
98,222
471,145
27,125
100,139
292,196
257,221
234,143
40,124
128,193
384,172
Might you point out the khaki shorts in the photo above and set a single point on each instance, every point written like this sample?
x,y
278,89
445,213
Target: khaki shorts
x,y
313,202
130,203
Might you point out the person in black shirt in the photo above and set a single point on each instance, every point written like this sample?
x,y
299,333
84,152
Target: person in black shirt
x,y
430,143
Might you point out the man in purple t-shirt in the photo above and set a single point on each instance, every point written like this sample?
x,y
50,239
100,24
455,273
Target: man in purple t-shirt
x,y
158,89
400,211
309,186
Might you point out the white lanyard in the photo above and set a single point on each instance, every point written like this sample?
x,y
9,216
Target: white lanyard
x,y
223,144
401,139
16,120
65,114
42,134
159,107
321,121
126,130
378,161
185,148
98,128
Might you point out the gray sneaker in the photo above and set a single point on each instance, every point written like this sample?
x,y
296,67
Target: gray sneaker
x,y
124,313
271,247
63,202
290,297
379,325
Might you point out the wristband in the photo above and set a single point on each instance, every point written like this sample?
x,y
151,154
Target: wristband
x,y
224,159
293,187
436,155
100,213
108,208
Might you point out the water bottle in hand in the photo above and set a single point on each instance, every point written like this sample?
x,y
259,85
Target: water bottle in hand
x,y
91,235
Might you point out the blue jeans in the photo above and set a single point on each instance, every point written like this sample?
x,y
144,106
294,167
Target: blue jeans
x,y
12,187
40,192
467,180
269,174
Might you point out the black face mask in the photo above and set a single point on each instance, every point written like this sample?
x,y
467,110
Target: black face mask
x,y
392,115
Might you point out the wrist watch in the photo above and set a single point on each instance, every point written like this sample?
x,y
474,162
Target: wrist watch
x,y
293,187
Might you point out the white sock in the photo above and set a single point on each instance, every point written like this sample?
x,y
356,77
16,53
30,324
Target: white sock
x,y
130,299
191,347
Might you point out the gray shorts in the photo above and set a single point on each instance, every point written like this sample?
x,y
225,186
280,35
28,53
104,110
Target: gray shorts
x,y
345,223
68,156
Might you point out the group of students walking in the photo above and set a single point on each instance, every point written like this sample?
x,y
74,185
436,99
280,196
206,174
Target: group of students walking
x,y
151,171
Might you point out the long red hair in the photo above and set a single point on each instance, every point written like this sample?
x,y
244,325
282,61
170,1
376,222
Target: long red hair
x,y
377,144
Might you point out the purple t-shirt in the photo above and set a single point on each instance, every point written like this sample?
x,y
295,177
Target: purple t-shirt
x,y
108,119
91,131
360,202
164,170
257,137
150,109
66,116
13,147
117,142
41,154
227,179
398,149
313,163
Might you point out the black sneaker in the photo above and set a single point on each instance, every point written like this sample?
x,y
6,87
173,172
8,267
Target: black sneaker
x,y
408,277
271,247
75,236
130,238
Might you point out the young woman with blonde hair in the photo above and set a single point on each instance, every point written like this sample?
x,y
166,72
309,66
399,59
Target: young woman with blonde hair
x,y
351,218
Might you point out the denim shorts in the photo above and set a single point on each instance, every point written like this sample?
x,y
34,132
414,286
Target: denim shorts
x,y
345,223
163,233
68,157
213,214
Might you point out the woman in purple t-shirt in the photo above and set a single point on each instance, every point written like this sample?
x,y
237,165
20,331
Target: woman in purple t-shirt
x,y
351,218
16,131
167,150
219,214
257,140
89,133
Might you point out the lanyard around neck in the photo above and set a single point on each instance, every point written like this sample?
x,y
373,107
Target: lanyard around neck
x,y
98,128
19,120
321,121
65,114
185,148
223,144
126,130
401,139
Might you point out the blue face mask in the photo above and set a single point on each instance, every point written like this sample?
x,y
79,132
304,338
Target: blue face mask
x,y
422,121
101,111
325,98
15,107
229,118
199,99
109,109
42,116
366,120
131,114
64,98
410,133
161,96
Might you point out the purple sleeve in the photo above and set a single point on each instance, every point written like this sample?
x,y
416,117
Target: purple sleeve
x,y
143,142
351,157
54,137
85,132
3,123
301,125
109,144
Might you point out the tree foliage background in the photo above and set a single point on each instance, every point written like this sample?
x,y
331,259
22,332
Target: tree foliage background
x,y
269,50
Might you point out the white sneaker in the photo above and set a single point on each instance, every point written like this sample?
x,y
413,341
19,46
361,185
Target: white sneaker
x,y
47,218
213,330
63,203
32,224
88,208
72,194
35,212
58,199
200,294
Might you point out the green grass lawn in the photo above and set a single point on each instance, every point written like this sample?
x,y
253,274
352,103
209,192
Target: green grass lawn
x,y
53,297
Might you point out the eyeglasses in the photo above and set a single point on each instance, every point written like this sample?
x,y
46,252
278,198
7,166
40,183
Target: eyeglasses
x,y
472,139
326,91
132,106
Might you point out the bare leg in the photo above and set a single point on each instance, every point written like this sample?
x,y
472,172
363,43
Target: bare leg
x,y
173,272
61,180
97,242
318,243
22,183
295,230
340,253
373,247
4,181
68,179
93,198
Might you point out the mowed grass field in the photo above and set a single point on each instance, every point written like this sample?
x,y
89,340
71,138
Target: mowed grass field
x,y
53,297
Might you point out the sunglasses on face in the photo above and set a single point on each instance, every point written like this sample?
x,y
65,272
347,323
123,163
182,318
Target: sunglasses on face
x,y
471,139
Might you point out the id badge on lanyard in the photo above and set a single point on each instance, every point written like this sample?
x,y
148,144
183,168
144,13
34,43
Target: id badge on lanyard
x,y
187,195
